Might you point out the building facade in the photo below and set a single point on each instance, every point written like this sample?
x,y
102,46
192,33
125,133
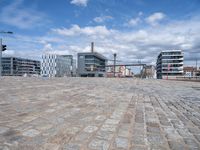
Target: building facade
x,y
170,64
91,64
120,71
13,66
191,71
148,72
57,65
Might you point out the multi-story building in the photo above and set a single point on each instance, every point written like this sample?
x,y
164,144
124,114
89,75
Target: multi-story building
x,y
170,64
91,64
13,66
73,64
57,65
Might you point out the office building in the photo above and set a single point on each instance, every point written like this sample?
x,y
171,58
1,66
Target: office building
x,y
73,65
13,66
170,64
91,64
54,65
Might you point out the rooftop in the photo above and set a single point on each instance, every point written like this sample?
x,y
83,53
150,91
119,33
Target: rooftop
x,y
93,53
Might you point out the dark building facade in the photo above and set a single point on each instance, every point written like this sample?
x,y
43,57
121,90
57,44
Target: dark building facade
x,y
169,64
13,66
91,64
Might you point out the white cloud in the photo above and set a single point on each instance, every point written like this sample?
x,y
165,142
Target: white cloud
x,y
79,2
9,52
155,18
15,15
75,30
134,21
102,19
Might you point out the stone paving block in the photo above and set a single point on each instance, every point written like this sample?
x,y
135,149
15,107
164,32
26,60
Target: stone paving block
x,y
50,146
98,144
82,136
90,129
31,133
121,142
137,140
105,135
174,145
71,147
191,143
3,130
155,139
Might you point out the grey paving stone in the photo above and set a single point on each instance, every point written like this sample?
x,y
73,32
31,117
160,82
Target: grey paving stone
x,y
137,140
121,142
155,139
71,147
90,129
3,130
31,133
174,145
98,144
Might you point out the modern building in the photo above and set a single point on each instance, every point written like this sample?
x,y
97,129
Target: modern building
x,y
73,65
14,66
54,65
91,64
170,64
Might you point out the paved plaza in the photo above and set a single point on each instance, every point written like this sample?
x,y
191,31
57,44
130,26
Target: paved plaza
x,y
98,114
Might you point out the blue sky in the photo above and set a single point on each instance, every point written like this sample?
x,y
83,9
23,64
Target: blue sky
x,y
134,29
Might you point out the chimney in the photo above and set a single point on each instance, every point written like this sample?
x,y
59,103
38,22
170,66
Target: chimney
x,y
92,47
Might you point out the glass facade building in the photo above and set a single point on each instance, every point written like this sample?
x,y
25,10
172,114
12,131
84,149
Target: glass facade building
x,y
57,65
13,66
91,64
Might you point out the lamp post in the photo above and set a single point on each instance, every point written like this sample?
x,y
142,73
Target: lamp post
x,y
115,55
1,49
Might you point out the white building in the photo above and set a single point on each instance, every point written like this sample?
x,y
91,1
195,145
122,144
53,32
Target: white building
x,y
170,64
56,65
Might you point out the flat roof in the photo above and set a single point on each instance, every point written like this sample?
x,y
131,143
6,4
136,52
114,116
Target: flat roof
x,y
93,53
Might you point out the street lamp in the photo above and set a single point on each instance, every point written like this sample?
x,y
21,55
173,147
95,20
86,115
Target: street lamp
x,y
2,48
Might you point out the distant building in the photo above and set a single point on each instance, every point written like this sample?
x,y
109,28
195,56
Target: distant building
x,y
170,64
120,71
190,71
14,66
73,64
91,64
57,65
148,71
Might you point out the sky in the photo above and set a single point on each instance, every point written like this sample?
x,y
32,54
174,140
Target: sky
x,y
137,30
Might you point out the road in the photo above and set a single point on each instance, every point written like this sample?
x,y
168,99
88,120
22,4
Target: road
x,y
98,114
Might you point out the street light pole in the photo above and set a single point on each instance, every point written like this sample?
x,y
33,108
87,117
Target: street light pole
x,y
115,55
1,49
0,56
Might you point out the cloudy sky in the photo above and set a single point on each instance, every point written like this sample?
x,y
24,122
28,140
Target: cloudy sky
x,y
134,29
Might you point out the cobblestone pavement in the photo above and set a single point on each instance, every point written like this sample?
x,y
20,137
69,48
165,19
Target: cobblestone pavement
x,y
99,114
